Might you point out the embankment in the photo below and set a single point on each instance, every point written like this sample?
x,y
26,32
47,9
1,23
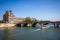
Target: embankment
x,y
6,25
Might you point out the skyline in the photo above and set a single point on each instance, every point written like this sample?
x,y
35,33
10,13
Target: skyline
x,y
39,9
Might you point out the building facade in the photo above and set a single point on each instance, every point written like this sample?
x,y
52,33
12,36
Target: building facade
x,y
8,17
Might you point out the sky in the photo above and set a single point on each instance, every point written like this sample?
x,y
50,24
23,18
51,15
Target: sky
x,y
39,9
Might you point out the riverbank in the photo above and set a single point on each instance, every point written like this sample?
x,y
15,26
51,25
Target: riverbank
x,y
8,25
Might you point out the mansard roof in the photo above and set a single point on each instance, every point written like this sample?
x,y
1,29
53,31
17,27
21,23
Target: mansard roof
x,y
8,13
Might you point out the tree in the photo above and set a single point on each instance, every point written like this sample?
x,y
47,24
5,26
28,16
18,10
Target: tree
x,y
27,19
34,20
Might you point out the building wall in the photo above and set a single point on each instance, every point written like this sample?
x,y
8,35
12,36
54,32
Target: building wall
x,y
8,17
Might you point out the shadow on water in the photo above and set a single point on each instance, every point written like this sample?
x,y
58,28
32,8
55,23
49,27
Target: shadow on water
x,y
8,34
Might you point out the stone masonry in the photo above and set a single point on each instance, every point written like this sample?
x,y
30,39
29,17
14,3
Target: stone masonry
x,y
8,17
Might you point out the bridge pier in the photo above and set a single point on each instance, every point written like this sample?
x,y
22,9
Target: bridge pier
x,y
24,24
19,24
29,25
56,25
34,24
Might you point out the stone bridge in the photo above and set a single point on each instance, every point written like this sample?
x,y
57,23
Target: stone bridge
x,y
33,24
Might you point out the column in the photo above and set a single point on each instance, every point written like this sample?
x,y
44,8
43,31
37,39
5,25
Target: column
x,y
56,25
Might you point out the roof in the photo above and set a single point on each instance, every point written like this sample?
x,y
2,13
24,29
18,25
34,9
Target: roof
x,y
8,13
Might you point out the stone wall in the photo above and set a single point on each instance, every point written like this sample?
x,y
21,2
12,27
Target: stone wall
x,y
8,17
7,25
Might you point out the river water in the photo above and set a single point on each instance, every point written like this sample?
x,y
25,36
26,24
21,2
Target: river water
x,y
32,33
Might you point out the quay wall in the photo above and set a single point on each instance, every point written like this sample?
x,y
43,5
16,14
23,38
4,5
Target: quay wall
x,y
7,25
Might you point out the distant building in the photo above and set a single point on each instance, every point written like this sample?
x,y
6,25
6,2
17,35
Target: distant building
x,y
8,17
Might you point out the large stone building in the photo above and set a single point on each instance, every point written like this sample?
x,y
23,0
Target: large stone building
x,y
8,17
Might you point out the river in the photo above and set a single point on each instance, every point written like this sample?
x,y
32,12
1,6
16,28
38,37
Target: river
x,y
32,33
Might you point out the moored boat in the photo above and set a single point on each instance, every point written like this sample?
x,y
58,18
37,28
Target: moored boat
x,y
44,26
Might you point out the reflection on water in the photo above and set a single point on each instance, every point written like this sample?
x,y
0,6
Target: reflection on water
x,y
26,33
8,34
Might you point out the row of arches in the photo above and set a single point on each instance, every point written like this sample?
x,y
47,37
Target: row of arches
x,y
55,25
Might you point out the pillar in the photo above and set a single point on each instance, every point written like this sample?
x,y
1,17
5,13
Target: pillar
x,y
21,25
56,25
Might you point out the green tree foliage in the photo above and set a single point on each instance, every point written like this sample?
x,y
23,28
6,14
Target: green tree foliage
x,y
1,21
34,20
27,19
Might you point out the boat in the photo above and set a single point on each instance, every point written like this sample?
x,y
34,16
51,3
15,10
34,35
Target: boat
x,y
44,26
